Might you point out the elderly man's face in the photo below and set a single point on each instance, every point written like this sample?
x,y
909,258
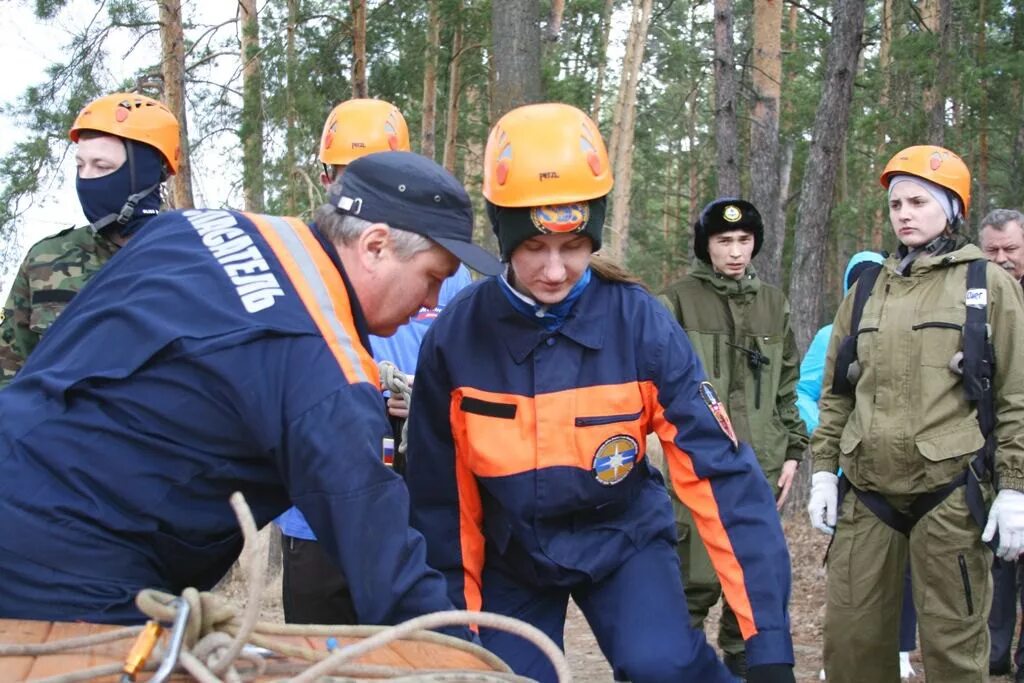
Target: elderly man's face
x,y
1005,247
406,286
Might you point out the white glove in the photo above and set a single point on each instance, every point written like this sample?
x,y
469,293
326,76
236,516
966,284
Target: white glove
x,y
906,668
824,501
1006,515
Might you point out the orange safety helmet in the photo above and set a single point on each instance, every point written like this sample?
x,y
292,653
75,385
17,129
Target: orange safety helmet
x,y
545,154
133,117
359,127
936,164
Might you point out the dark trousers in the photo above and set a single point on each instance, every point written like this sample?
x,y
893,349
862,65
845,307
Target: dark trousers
x,y
638,615
1006,579
314,590
396,429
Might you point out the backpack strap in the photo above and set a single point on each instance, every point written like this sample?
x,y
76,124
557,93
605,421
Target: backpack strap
x,y
847,354
978,356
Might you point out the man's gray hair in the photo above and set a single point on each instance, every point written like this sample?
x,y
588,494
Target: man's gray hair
x,y
345,228
998,218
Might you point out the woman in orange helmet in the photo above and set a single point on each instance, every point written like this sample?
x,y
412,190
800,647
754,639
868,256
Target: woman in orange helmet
x,y
535,393
918,397
126,146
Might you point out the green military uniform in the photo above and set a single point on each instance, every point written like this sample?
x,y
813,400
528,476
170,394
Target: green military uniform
x,y
716,312
908,430
54,270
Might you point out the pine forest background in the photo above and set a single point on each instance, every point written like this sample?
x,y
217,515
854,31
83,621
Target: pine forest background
x,y
795,105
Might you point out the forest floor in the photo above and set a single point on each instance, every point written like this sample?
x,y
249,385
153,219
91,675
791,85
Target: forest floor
x,y
807,612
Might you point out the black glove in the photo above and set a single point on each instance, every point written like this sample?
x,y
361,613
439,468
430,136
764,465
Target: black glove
x,y
771,673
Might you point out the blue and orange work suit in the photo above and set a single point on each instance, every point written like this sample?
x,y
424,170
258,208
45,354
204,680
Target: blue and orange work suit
x,y
216,352
528,478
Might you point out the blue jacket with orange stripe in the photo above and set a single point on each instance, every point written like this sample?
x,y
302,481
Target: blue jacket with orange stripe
x,y
217,351
526,450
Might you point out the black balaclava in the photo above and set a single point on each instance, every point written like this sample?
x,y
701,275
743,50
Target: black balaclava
x,y
125,199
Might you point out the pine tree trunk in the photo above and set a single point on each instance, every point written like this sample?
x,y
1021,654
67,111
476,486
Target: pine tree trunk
x,y
818,187
292,140
451,130
1016,175
554,25
785,171
885,66
477,111
360,87
764,134
938,18
622,135
515,36
693,158
602,59
429,115
981,165
172,67
251,129
726,137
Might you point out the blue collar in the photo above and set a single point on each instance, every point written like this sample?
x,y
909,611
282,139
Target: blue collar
x,y
549,317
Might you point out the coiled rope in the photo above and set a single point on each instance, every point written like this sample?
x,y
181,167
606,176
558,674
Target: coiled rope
x,y
216,635
397,382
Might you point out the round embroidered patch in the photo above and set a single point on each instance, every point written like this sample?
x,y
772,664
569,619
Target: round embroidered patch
x,y
561,218
615,459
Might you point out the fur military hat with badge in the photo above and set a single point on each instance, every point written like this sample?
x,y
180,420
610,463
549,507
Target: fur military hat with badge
x,y
723,215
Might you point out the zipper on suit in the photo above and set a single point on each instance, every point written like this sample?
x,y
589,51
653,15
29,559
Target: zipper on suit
x,y
967,583
718,372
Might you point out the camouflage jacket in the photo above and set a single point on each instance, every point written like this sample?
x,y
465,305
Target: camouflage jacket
x,y
54,270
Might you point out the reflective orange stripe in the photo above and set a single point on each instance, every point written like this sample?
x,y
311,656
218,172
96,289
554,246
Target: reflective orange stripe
x,y
697,495
471,536
544,432
315,289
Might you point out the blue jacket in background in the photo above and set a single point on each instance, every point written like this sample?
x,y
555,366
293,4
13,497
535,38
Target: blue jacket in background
x,y
402,348
216,352
812,368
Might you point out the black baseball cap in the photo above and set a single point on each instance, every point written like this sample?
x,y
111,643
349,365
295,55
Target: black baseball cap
x,y
411,192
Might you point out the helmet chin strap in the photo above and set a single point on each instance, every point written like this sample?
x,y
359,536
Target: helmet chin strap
x,y
939,245
127,211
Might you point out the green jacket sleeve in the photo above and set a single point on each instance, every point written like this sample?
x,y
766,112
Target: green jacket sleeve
x,y
1006,319
785,399
834,410
16,337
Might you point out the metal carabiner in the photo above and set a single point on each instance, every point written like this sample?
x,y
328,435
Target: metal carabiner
x,y
177,638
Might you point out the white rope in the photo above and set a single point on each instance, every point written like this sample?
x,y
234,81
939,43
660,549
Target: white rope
x,y
397,382
216,633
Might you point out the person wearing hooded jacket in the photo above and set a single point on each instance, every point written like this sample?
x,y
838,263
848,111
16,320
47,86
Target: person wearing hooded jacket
x,y
527,468
126,145
906,429
812,367
739,326
808,391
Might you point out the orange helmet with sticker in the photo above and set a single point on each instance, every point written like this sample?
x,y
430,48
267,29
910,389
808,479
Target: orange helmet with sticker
x,y
133,117
359,127
937,164
545,154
